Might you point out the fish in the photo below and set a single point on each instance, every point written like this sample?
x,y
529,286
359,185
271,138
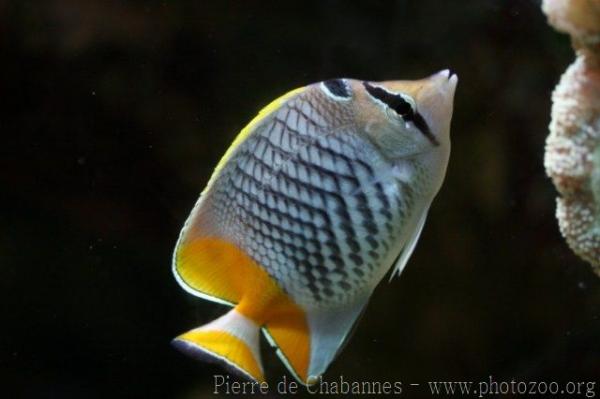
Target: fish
x,y
320,196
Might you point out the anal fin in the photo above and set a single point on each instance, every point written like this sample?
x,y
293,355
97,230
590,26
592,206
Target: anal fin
x,y
329,331
286,328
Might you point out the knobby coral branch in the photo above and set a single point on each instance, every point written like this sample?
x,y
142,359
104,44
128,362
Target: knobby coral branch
x,y
572,157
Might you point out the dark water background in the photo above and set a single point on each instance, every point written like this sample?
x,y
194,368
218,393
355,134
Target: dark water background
x,y
115,112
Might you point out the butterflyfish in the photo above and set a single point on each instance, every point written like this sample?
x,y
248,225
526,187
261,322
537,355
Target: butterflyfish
x,y
317,198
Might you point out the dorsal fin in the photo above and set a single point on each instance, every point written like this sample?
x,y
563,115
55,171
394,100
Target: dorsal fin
x,y
198,225
249,128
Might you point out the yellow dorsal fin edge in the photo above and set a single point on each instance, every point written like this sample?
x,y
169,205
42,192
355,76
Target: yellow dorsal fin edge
x,y
273,105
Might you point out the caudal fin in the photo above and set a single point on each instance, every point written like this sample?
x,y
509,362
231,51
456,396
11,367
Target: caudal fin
x,y
232,339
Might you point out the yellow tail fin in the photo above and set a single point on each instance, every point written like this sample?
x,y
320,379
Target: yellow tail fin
x,y
214,268
232,339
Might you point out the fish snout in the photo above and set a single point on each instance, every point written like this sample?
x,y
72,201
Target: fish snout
x,y
435,102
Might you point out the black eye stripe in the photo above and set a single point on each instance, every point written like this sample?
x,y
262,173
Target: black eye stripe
x,y
394,101
419,122
337,87
402,108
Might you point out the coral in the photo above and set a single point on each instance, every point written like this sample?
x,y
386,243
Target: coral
x,y
578,18
572,157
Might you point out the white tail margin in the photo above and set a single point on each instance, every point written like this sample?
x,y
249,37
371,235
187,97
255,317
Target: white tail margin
x,y
232,339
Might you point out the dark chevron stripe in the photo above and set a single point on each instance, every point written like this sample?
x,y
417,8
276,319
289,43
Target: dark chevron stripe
x,y
314,229
287,155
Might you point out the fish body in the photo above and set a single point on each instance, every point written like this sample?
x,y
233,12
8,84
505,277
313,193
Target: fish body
x,y
324,192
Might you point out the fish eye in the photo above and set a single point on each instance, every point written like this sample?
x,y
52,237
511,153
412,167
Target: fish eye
x,y
337,89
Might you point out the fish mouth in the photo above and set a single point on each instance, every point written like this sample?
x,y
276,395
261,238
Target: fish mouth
x,y
445,82
451,78
448,73
436,98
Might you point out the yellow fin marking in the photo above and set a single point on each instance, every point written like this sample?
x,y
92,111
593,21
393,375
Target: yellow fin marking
x,y
273,105
220,269
226,346
288,327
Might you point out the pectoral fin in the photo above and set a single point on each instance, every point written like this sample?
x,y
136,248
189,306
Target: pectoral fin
x,y
410,245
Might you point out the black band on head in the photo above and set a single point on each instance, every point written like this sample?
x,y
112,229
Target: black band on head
x,y
394,101
402,107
